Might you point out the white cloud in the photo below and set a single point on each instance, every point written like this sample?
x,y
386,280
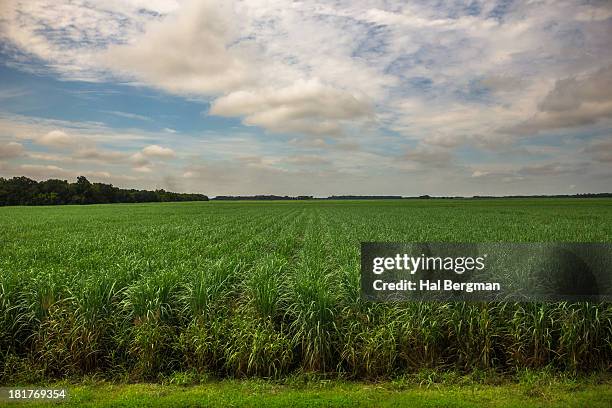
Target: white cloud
x,y
11,150
139,159
552,169
44,172
305,107
13,93
187,52
307,160
479,173
57,138
143,169
104,156
158,152
129,115
429,156
601,150
573,102
590,13
38,171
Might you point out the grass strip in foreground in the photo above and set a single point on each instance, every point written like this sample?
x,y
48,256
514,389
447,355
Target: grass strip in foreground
x,y
253,393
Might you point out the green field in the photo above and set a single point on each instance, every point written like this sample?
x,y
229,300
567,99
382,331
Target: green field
x,y
270,289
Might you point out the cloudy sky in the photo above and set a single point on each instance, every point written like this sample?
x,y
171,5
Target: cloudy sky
x,y
318,98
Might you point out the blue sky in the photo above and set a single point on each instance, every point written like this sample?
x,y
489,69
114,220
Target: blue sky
x,y
278,97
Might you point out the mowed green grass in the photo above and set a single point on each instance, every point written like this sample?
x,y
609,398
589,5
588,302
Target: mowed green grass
x,y
249,393
266,289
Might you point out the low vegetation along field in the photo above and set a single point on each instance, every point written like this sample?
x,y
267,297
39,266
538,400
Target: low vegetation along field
x,y
270,289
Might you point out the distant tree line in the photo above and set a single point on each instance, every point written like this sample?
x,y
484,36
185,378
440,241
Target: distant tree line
x,y
392,197
261,197
25,191
583,195
362,197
